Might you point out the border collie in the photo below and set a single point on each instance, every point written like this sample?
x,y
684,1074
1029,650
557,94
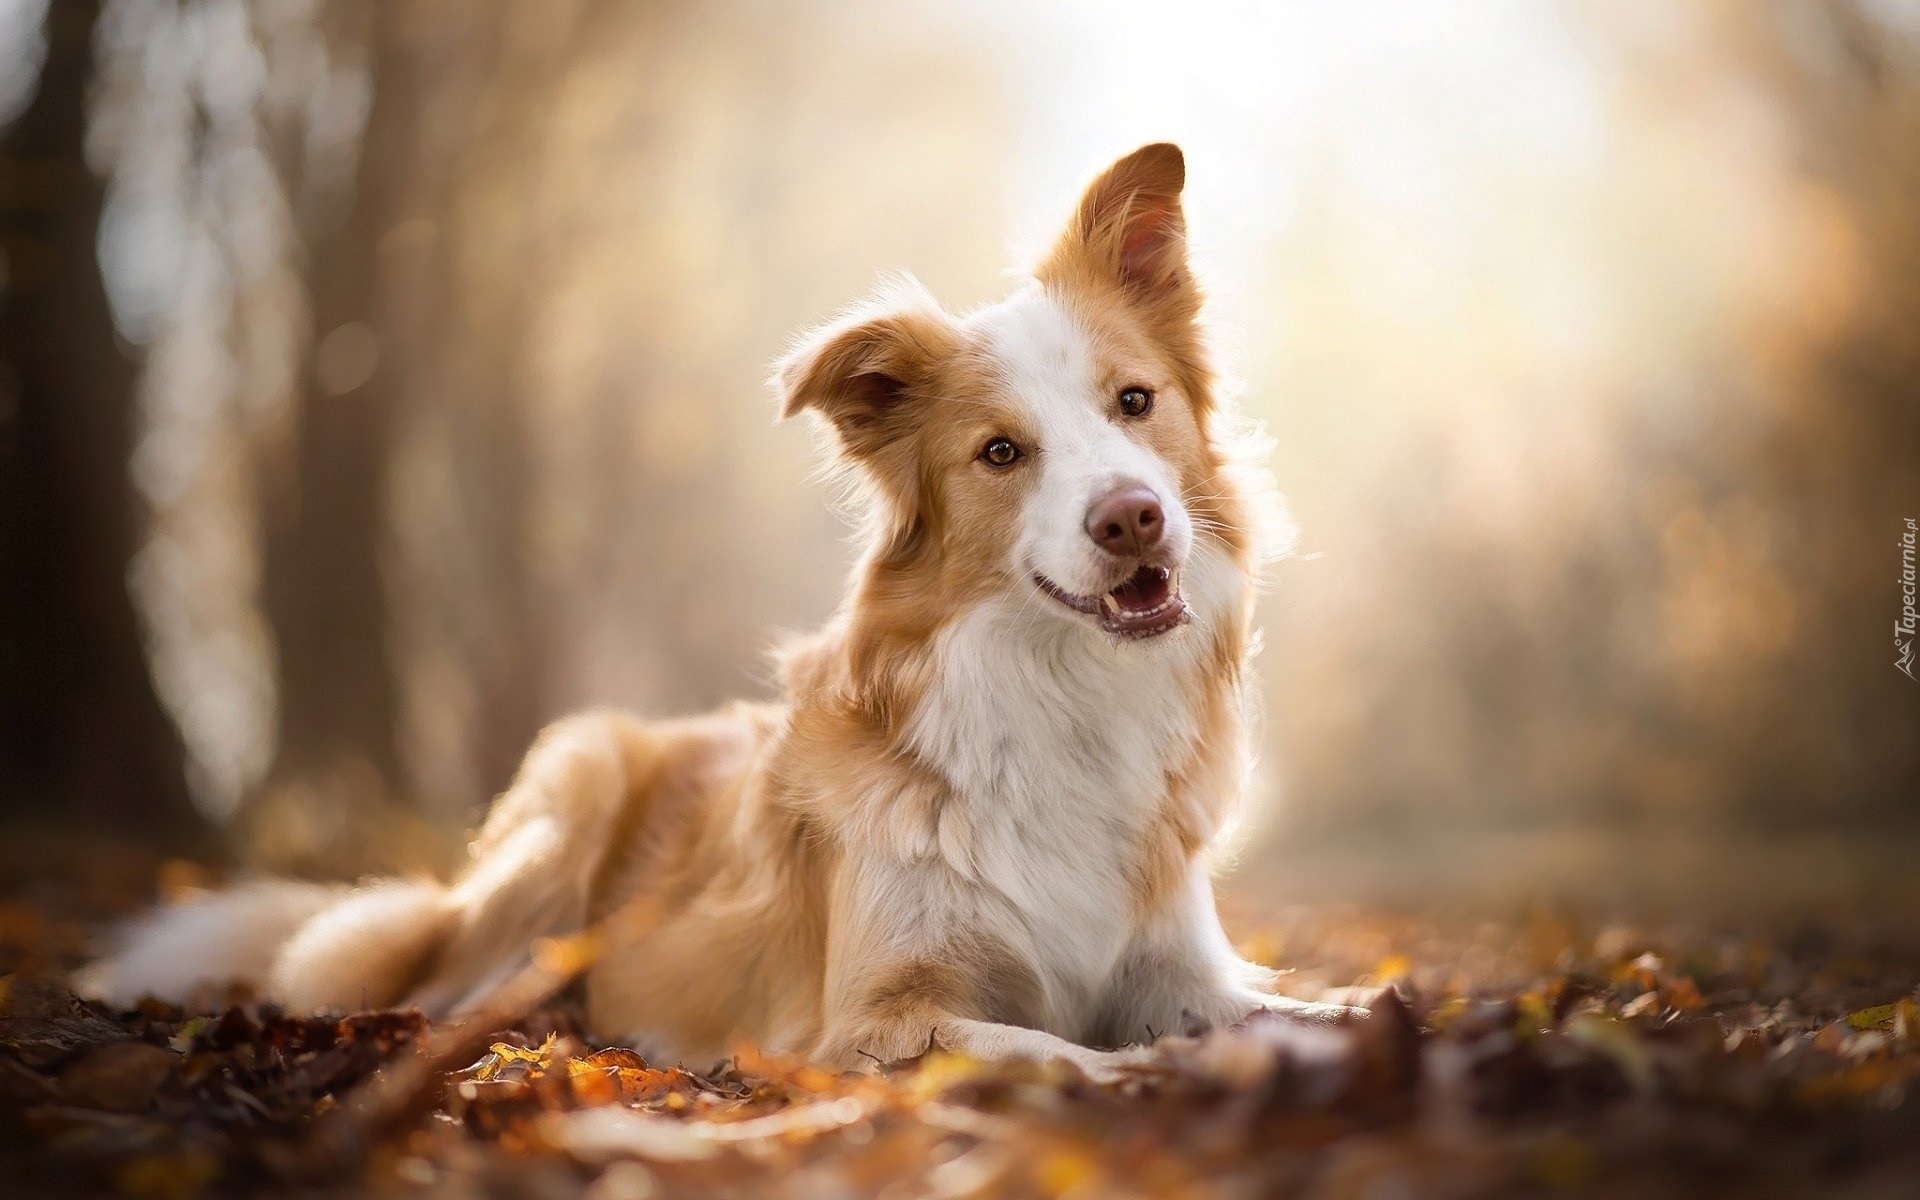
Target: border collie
x,y
981,816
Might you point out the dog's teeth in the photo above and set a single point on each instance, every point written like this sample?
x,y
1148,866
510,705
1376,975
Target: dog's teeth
x,y
1110,604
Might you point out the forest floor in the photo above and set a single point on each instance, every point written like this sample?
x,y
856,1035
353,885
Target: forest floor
x,y
1530,1052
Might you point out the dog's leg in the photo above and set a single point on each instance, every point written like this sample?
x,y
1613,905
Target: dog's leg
x,y
990,1041
919,959
888,1029
535,860
1181,975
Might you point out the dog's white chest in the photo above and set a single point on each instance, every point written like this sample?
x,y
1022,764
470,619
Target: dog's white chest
x,y
1057,746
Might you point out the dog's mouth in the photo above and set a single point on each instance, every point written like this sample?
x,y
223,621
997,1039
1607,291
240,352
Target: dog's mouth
x,y
1146,604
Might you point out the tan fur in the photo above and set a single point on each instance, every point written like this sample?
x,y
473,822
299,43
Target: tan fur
x,y
734,862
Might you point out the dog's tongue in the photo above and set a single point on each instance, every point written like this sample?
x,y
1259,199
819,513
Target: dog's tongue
x,y
1144,591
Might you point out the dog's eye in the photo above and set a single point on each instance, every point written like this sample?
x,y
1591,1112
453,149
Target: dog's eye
x,y
1136,401
1000,453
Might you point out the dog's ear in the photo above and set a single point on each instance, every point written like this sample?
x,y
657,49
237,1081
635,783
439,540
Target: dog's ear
x,y
1129,230
861,370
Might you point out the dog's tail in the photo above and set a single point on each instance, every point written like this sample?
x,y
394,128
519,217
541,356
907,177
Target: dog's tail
x,y
308,945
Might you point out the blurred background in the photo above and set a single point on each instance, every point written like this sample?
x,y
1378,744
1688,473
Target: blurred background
x,y
382,378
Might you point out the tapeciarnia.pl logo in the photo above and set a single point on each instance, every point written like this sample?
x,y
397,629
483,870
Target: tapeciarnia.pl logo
x,y
1903,628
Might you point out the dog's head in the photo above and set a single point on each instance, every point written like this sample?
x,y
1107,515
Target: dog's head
x,y
1056,444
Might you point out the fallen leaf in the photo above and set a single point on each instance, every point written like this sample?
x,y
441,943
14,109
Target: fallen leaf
x,y
1870,1018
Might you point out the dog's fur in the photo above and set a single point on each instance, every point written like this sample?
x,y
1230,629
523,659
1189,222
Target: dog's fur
x,y
981,818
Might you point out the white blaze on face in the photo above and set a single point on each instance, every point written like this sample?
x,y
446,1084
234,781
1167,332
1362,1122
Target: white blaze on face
x,y
1047,363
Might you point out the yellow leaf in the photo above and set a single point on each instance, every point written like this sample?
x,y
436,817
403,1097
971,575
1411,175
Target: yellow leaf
x,y
1870,1018
512,1053
184,1035
502,1055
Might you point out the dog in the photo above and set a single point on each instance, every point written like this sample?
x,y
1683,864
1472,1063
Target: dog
x,y
982,817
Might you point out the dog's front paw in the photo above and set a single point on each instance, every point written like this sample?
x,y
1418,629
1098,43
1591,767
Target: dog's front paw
x,y
1108,1067
1248,1008
1305,1012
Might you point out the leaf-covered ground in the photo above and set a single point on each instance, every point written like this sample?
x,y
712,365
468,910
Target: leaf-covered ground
x,y
1537,1054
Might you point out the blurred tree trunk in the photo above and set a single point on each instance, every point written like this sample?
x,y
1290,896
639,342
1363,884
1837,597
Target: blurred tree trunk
x,y
330,803
474,640
342,793
87,741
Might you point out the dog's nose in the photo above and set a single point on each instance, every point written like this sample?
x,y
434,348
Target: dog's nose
x,y
1126,521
